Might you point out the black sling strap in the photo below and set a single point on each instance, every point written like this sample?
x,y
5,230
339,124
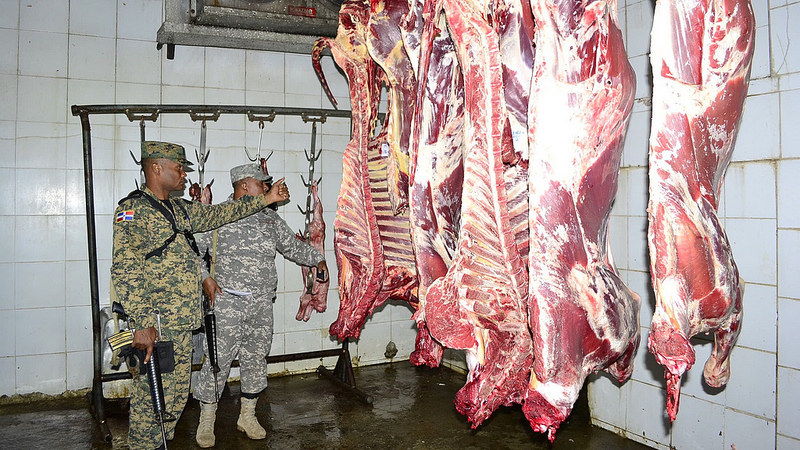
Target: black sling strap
x,y
171,219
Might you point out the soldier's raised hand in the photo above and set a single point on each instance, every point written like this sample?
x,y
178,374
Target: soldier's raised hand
x,y
279,192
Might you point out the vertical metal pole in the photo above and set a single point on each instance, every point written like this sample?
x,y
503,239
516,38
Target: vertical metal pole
x,y
97,383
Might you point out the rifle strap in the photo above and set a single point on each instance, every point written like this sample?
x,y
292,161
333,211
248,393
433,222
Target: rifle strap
x,y
159,206
214,251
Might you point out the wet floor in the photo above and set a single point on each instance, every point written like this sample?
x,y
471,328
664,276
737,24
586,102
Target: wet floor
x,y
412,409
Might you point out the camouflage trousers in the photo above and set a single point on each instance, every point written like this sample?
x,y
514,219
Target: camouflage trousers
x,y
244,331
144,431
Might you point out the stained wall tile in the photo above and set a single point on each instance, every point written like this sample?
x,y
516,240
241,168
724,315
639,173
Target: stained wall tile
x,y
39,331
8,100
9,48
93,17
760,317
753,244
79,370
225,68
752,384
645,413
788,406
759,132
788,262
39,238
41,144
699,425
92,58
7,333
784,29
43,54
78,328
139,19
10,16
40,192
41,373
750,190
790,110
31,292
52,16
41,99
788,187
138,62
788,334
8,368
745,431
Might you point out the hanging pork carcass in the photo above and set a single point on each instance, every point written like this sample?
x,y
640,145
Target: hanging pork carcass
x,y
701,53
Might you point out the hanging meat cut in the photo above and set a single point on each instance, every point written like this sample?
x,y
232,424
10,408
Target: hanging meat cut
x,y
701,56
385,45
582,315
359,254
480,304
315,296
436,171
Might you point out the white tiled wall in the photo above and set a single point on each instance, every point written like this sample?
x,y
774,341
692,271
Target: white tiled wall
x,y
759,407
64,52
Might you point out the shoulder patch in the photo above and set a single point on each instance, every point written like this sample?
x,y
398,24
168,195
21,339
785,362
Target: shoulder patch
x,y
125,215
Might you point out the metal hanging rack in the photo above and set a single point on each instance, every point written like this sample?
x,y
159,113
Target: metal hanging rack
x,y
342,373
312,157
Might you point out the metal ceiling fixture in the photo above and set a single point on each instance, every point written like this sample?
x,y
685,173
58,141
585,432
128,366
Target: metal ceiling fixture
x,y
277,25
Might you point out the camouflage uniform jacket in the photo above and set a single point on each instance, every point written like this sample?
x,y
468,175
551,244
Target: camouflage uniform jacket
x,y
170,282
245,254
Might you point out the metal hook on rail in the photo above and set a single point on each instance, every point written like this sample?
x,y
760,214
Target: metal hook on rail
x,y
142,138
260,139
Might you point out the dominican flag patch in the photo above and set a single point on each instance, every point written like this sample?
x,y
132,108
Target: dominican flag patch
x,y
124,215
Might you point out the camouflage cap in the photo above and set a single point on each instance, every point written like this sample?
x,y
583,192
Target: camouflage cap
x,y
175,152
249,171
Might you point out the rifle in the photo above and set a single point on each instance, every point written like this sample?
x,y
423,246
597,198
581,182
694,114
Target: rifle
x,y
210,319
210,323
123,341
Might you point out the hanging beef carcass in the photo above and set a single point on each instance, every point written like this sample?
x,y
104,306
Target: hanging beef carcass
x,y
385,45
315,296
436,168
513,21
359,254
582,315
701,53
480,304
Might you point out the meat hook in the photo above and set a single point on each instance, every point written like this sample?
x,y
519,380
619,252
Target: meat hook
x,y
260,138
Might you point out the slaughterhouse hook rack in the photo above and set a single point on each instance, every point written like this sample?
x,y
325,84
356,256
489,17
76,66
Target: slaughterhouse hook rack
x,y
312,158
343,372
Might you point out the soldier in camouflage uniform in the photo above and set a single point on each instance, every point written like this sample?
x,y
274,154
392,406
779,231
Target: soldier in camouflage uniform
x,y
156,272
244,257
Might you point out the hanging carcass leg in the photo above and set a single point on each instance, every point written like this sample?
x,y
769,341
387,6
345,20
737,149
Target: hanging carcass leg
x,y
701,56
